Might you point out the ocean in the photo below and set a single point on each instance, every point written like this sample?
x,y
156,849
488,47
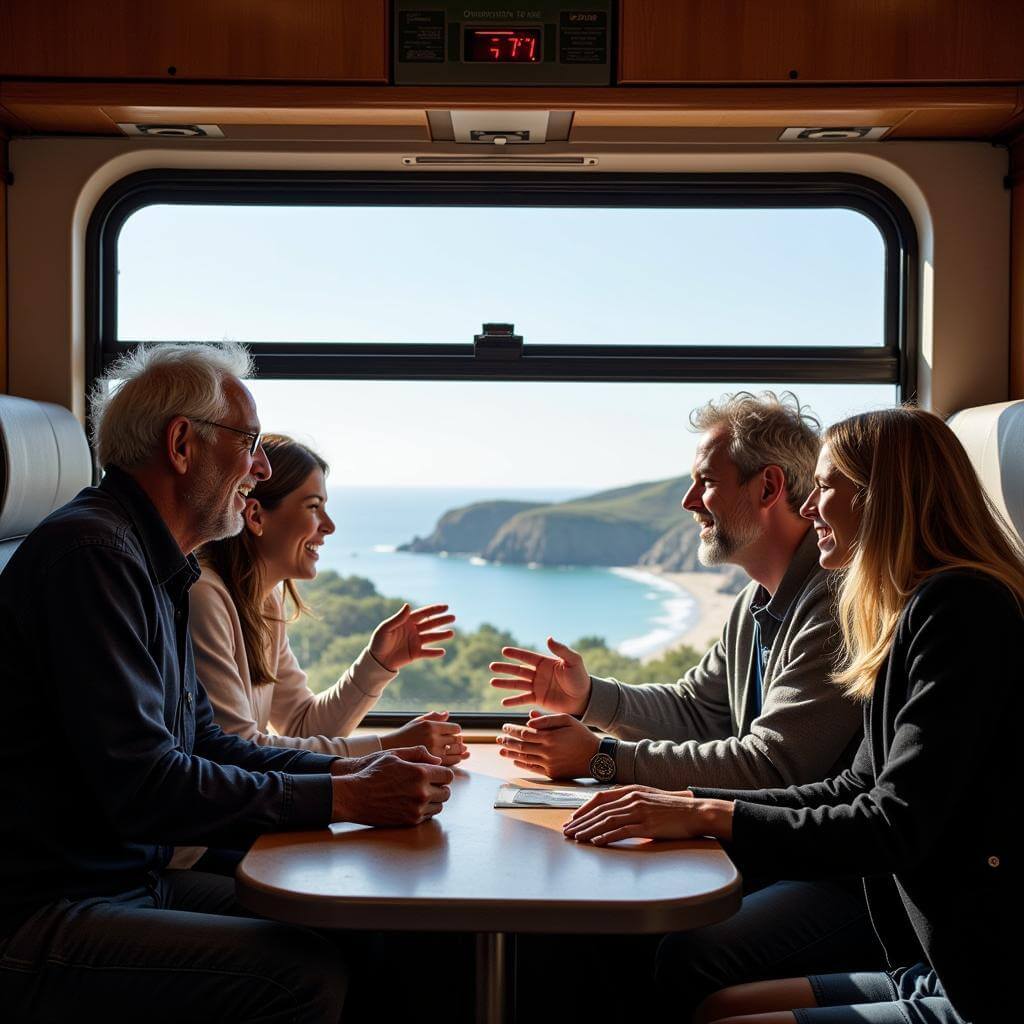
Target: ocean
x,y
635,612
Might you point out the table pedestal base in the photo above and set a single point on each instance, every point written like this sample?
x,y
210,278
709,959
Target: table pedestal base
x,y
495,978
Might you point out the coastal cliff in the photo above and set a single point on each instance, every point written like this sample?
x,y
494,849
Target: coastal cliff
x,y
641,524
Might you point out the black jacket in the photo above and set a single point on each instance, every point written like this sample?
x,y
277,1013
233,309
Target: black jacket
x,y
110,754
929,798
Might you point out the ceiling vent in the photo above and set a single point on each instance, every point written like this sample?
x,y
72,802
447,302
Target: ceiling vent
x,y
516,159
173,131
500,127
833,134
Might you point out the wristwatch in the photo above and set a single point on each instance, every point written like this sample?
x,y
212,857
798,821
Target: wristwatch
x,y
602,764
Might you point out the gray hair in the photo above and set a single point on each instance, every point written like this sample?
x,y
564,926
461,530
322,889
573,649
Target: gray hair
x,y
767,430
152,384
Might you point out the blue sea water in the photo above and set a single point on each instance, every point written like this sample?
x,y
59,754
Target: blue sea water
x,y
634,611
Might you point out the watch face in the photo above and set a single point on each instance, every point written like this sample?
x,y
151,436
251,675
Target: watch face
x,y
602,767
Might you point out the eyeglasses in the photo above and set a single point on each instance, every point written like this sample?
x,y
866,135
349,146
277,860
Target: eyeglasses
x,y
255,439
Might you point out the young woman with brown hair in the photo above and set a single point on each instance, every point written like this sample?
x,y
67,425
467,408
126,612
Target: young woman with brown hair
x,y
931,599
237,621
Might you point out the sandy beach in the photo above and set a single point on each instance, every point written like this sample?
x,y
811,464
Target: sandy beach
x,y
713,609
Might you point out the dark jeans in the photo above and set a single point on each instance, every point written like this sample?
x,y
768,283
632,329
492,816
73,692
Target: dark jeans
x,y
181,951
786,930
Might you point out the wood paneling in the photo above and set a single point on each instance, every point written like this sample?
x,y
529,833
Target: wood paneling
x,y
3,261
297,40
953,111
820,40
1017,269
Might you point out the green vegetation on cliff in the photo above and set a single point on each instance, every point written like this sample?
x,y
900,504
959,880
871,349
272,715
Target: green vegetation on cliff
x,y
642,524
347,608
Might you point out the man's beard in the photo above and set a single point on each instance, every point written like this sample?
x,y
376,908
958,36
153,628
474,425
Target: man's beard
x,y
728,538
216,518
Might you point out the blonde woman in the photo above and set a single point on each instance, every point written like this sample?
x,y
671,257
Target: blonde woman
x,y
930,606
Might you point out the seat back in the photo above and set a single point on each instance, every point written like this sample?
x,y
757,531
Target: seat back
x,y
44,462
993,436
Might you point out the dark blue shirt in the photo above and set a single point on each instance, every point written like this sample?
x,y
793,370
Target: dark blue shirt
x,y
768,613
110,754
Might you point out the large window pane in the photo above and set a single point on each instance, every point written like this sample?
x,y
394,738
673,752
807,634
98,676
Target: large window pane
x,y
808,276
609,572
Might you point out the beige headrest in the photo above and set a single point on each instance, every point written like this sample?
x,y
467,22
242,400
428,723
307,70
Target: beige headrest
x,y
993,436
44,462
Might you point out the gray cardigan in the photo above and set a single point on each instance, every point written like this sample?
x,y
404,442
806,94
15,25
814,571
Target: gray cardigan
x,y
702,730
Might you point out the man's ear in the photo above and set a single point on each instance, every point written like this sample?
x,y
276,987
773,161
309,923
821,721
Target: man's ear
x,y
773,486
253,516
179,444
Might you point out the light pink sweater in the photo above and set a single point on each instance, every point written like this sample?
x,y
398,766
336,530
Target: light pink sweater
x,y
286,713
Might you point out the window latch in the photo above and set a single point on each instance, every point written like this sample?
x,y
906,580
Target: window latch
x,y
498,341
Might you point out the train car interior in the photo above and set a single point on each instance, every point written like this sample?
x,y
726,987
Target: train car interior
x,y
539,338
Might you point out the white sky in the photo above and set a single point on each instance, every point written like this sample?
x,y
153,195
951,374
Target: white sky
x,y
430,274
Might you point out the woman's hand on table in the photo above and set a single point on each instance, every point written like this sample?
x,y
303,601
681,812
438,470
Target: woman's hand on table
x,y
640,812
406,636
433,730
558,746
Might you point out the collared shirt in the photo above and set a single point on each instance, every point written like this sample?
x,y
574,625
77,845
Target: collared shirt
x,y
768,612
110,752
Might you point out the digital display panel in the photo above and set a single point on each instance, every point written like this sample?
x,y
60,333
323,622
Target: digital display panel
x,y
503,46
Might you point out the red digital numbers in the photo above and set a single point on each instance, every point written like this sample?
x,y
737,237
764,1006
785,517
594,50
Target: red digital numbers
x,y
503,45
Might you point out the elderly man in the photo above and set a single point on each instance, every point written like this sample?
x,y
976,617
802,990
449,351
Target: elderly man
x,y
759,709
111,755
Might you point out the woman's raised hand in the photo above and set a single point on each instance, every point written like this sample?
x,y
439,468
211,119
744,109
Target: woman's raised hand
x,y
406,636
561,683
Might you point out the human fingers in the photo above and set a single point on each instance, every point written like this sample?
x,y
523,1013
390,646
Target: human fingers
x,y
432,621
400,616
603,797
533,766
552,721
429,812
433,716
427,610
513,684
416,755
438,775
622,832
574,828
512,748
519,699
437,636
506,668
438,794
605,822
563,651
431,652
521,654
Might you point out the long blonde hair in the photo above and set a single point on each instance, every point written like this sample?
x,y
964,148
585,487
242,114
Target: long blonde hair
x,y
923,510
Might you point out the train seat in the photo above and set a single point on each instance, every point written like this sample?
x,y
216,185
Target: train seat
x,y
993,436
44,462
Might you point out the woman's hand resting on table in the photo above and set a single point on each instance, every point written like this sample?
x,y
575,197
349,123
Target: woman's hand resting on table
x,y
640,812
433,731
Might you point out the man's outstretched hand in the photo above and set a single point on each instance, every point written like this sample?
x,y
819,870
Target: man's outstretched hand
x,y
559,683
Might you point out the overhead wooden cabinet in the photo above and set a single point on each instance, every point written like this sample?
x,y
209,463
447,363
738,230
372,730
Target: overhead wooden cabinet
x,y
296,40
821,41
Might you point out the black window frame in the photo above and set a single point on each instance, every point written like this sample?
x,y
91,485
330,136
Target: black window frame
x,y
893,362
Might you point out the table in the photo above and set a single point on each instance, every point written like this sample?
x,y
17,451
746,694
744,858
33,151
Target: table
x,y
493,872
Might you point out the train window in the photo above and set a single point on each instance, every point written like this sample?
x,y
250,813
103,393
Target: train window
x,y
435,274
534,487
